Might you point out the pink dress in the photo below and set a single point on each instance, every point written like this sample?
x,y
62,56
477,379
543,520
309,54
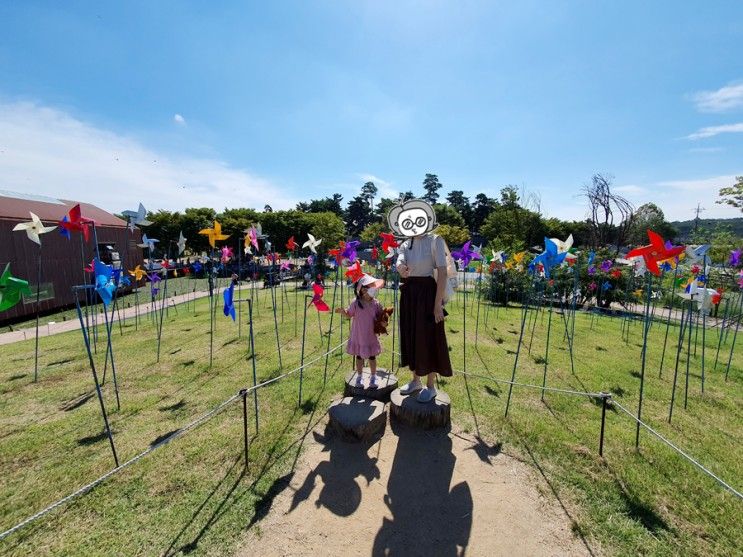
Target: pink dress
x,y
363,341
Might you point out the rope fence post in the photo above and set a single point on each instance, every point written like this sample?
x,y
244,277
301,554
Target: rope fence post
x,y
244,394
605,400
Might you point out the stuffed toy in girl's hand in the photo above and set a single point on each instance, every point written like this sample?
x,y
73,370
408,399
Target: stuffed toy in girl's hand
x,y
382,320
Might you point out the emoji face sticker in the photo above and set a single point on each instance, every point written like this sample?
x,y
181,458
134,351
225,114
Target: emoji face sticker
x,y
411,218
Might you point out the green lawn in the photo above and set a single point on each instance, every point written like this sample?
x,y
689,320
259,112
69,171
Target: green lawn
x,y
194,496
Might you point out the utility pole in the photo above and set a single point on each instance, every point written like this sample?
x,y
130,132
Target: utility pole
x,y
697,210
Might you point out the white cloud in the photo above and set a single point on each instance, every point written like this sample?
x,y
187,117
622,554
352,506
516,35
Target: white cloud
x,y
384,188
711,131
706,149
725,98
47,151
180,120
631,189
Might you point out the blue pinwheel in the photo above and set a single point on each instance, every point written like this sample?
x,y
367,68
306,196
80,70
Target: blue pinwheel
x,y
466,254
606,286
64,231
349,251
229,302
549,257
197,267
591,257
104,283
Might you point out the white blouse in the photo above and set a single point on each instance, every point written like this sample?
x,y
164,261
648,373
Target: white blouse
x,y
422,255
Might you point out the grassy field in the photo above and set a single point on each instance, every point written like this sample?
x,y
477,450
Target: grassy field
x,y
194,495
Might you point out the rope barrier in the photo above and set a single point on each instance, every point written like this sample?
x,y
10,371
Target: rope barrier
x,y
680,451
195,423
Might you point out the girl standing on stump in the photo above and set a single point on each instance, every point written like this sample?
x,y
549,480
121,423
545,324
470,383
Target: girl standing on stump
x,y
423,256
363,342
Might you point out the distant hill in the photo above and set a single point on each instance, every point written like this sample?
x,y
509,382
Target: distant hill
x,y
686,226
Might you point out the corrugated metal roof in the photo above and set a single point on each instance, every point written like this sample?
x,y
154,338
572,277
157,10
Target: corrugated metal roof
x,y
16,206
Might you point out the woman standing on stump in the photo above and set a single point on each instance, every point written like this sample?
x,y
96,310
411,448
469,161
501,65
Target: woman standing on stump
x,y
422,256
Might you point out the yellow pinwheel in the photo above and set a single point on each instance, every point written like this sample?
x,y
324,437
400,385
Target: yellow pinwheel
x,y
214,234
138,273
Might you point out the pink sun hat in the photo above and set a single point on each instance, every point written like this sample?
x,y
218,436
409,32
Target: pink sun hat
x,y
368,280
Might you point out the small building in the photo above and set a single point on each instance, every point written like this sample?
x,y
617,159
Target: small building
x,y
63,260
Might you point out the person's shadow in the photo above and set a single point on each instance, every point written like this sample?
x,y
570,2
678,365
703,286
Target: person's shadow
x,y
340,493
427,517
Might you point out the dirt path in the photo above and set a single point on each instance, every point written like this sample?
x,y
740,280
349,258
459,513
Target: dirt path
x,y
411,493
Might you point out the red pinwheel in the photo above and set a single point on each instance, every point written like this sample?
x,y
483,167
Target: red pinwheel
x,y
654,252
338,252
354,272
317,300
375,253
291,245
616,273
75,222
90,267
388,241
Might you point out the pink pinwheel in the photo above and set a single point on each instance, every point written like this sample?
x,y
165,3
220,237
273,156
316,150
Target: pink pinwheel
x,y
227,254
735,258
349,250
466,254
317,300
253,235
606,265
592,286
285,266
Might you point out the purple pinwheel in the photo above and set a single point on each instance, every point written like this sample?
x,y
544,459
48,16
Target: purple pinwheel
x,y
592,270
349,251
466,254
154,279
606,265
735,258
285,266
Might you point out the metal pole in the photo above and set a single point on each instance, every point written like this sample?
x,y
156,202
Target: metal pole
x,y
644,353
547,350
244,394
301,364
38,294
604,400
252,358
518,350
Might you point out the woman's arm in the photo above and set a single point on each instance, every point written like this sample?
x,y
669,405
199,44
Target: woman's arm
x,y
438,304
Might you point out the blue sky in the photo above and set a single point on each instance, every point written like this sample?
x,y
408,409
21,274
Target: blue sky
x,y
187,103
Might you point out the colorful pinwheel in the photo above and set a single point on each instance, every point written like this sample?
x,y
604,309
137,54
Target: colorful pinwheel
x,y
226,254
285,266
338,252
317,300
349,250
90,267
388,242
253,236
606,265
148,243
655,252
74,221
33,228
735,258
694,254
550,257
312,243
138,273
466,254
229,302
214,234
181,243
11,289
354,272
606,286
291,245
154,279
137,217
197,267
104,283
591,257
375,253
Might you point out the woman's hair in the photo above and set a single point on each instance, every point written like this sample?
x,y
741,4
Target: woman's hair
x,y
357,290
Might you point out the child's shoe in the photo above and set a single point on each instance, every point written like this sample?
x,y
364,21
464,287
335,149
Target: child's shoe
x,y
373,381
359,380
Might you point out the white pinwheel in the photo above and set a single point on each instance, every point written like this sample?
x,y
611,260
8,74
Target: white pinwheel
x,y
137,217
312,243
181,243
33,228
148,242
562,247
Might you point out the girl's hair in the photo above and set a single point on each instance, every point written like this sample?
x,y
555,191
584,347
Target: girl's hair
x,y
358,296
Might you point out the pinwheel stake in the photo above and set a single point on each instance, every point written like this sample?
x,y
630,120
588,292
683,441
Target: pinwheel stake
x,y
95,375
735,335
518,350
395,319
547,349
688,350
679,347
668,323
273,303
720,331
479,295
252,358
643,358
301,361
330,332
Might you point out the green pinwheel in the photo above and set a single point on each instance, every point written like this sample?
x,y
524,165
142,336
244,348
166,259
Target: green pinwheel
x,y
11,289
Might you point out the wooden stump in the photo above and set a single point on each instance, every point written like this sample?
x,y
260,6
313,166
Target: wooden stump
x,y
428,415
386,383
357,419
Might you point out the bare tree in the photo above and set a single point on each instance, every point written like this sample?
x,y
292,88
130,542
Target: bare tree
x,y
605,207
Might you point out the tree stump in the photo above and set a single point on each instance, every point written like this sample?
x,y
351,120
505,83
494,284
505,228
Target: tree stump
x,y
357,419
428,415
386,383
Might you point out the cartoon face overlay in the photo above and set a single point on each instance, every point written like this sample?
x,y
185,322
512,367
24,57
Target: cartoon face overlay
x,y
411,218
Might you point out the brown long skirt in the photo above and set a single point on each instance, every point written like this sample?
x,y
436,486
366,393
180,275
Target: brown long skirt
x,y
423,346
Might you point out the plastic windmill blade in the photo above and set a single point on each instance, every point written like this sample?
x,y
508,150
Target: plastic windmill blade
x,y
75,222
253,235
90,267
388,241
317,300
226,254
285,266
655,252
181,243
34,228
246,245
291,245
563,246
104,284
11,289
735,258
312,243
62,227
154,279
354,272
549,257
229,303
138,273
148,242
349,250
606,286
591,257
215,234
606,265
466,254
137,217
694,254
375,253
337,253
269,246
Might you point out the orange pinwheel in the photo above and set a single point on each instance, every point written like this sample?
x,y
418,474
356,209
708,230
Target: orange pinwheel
x,y
654,252
138,273
214,234
354,272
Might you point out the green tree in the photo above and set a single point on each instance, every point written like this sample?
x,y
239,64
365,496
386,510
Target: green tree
x,y
481,209
383,207
327,226
358,216
649,217
431,185
371,232
195,219
165,227
732,195
454,235
446,214
461,203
